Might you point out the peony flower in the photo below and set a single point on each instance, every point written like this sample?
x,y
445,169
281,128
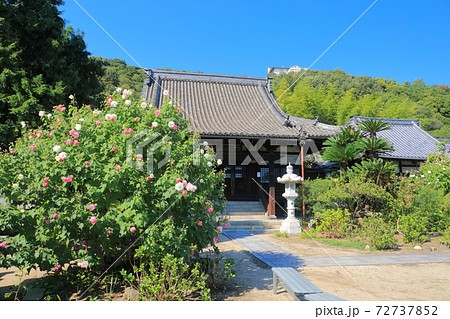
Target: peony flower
x,y
216,240
49,115
139,156
45,185
117,167
118,90
83,264
210,210
200,223
132,229
150,177
3,244
171,124
91,207
32,148
179,186
23,124
178,180
225,225
154,124
20,176
57,148
219,228
184,192
136,119
67,179
128,102
41,113
69,142
71,97
78,127
114,148
55,216
157,112
114,103
209,164
166,92
108,232
74,133
58,121
144,105
93,220
190,187
219,162
57,267
15,185
76,142
175,127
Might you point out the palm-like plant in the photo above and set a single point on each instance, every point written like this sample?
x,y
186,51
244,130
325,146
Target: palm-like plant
x,y
371,127
372,145
376,170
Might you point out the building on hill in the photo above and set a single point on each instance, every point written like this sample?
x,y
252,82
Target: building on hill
x,y
240,118
411,143
292,69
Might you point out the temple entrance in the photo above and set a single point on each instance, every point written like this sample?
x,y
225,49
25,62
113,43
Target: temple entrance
x,y
240,185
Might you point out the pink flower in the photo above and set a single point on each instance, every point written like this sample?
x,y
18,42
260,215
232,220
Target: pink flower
x,y
93,220
47,221
87,163
46,179
178,180
200,223
139,156
130,131
157,112
58,121
69,142
83,264
219,228
67,179
125,131
175,127
216,240
76,142
184,183
149,178
32,148
74,133
45,185
132,229
226,225
97,122
210,210
91,207
184,192
50,134
3,244
114,148
57,267
192,253
136,119
108,232
117,167
55,216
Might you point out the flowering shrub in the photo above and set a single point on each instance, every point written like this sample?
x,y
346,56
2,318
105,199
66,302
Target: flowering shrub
x,y
78,192
333,222
377,233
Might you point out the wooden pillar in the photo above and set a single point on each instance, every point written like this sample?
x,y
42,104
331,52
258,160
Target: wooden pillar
x,y
272,184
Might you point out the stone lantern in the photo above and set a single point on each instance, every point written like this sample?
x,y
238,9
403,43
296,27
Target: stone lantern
x,y
290,225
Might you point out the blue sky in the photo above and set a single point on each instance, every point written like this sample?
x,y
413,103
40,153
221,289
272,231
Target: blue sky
x,y
396,39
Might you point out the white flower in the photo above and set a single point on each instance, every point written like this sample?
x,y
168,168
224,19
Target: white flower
x,y
97,112
207,147
219,161
49,115
429,172
41,113
20,176
143,105
154,124
209,164
114,103
62,154
111,117
57,148
412,175
127,92
83,264
202,151
201,180
15,185
166,92
71,97
81,120
23,124
118,90
78,127
170,102
151,175
205,143
171,124
179,186
128,102
190,187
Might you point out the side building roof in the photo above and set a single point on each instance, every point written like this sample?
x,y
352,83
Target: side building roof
x,y
409,140
229,106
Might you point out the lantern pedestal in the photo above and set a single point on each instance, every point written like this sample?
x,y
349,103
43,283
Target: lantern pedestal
x,y
290,225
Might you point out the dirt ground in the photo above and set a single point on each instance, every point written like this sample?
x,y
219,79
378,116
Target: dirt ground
x,y
253,280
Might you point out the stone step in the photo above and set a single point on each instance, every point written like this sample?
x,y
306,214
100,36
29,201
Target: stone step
x,y
254,224
244,207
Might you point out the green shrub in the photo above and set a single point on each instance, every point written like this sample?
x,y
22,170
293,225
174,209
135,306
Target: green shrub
x,y
79,190
333,222
445,238
414,228
171,279
281,234
313,188
377,233
217,270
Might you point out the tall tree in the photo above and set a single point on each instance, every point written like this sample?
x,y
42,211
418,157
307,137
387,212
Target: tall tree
x,y
42,63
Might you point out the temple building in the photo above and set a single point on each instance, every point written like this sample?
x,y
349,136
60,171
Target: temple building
x,y
240,117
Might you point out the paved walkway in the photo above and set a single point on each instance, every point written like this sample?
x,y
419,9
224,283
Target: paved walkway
x,y
276,256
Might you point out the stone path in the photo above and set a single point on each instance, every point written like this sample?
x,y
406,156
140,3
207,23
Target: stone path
x,y
276,256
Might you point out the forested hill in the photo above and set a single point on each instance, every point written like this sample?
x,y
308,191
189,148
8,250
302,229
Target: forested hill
x,y
335,95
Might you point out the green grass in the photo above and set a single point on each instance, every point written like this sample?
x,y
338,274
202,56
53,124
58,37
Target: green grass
x,y
280,234
312,234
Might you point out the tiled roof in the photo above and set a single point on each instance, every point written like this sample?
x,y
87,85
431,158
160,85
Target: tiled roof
x,y
221,105
409,140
